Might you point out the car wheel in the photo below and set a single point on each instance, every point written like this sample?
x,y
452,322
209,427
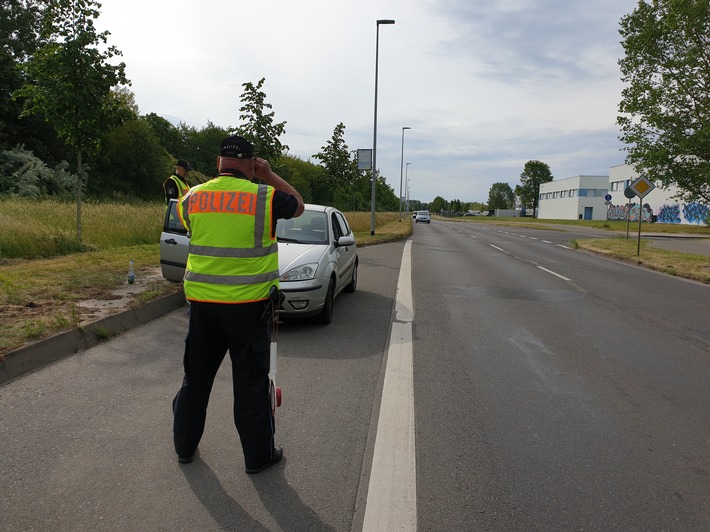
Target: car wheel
x,y
353,282
326,315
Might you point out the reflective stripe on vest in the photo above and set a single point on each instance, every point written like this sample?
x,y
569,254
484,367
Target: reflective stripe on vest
x,y
232,256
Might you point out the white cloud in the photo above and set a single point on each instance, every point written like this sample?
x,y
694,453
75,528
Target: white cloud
x,y
485,86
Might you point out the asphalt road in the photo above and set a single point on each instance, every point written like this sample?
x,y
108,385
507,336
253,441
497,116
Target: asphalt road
x,y
87,442
553,390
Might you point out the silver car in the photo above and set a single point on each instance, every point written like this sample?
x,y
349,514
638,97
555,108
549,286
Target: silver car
x,y
317,259
422,216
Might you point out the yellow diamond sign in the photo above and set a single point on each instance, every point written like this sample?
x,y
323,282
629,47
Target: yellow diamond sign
x,y
642,186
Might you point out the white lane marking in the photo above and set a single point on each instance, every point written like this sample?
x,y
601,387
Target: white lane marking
x,y
392,492
553,273
496,247
474,237
563,246
546,241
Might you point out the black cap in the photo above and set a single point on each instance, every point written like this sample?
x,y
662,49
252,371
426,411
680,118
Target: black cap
x,y
183,163
236,147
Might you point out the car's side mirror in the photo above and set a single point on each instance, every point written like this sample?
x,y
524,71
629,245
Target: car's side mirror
x,y
344,241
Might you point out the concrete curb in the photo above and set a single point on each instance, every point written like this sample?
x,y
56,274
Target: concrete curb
x,y
32,357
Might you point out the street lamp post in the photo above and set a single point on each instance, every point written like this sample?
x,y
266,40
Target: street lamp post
x,y
406,173
401,165
374,136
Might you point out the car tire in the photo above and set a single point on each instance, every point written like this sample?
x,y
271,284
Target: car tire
x,y
352,285
326,315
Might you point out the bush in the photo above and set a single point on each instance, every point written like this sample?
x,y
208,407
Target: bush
x,y
24,175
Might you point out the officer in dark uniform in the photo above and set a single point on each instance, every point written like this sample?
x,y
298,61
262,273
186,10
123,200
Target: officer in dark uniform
x,y
231,269
175,186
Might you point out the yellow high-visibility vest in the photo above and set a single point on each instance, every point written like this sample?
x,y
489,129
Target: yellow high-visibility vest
x,y
182,187
233,257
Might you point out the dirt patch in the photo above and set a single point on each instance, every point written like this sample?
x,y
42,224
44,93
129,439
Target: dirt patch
x,y
110,302
41,318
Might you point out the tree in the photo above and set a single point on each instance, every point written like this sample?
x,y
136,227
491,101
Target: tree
x,y
500,196
666,103
133,163
259,127
200,146
340,169
534,174
438,205
69,79
20,25
168,134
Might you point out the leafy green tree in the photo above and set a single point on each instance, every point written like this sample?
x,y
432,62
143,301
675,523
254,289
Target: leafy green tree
x,y
666,102
500,196
69,79
167,133
386,199
258,124
201,146
534,174
301,174
438,205
133,163
340,169
20,25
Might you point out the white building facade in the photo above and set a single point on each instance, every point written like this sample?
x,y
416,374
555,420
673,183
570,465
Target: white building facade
x,y
602,198
574,198
658,205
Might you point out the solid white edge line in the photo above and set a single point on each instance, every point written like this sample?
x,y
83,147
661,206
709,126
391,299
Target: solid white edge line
x,y
553,273
392,491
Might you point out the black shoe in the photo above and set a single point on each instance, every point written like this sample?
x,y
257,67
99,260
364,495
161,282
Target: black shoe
x,y
277,455
186,459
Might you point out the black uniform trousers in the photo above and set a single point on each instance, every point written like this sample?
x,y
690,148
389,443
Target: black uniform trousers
x,y
216,328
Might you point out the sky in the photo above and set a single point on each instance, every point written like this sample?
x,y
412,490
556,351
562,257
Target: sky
x,y
485,86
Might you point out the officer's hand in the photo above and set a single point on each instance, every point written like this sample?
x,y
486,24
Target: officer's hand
x,y
262,169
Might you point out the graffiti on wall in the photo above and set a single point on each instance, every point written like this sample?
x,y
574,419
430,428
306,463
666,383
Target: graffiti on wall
x,y
696,213
669,214
620,212
691,213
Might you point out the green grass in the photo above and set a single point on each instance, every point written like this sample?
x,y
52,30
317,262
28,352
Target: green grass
x,y
45,228
45,273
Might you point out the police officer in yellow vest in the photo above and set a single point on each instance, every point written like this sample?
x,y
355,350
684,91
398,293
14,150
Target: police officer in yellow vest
x,y
232,265
175,186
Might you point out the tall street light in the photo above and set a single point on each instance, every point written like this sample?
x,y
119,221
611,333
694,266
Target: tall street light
x,y
374,136
406,174
401,167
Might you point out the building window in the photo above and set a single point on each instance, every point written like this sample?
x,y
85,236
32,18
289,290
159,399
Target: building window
x,y
563,194
582,192
572,193
548,195
555,195
542,197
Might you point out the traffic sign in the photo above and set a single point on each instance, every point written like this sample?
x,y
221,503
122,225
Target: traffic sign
x,y
607,197
642,186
